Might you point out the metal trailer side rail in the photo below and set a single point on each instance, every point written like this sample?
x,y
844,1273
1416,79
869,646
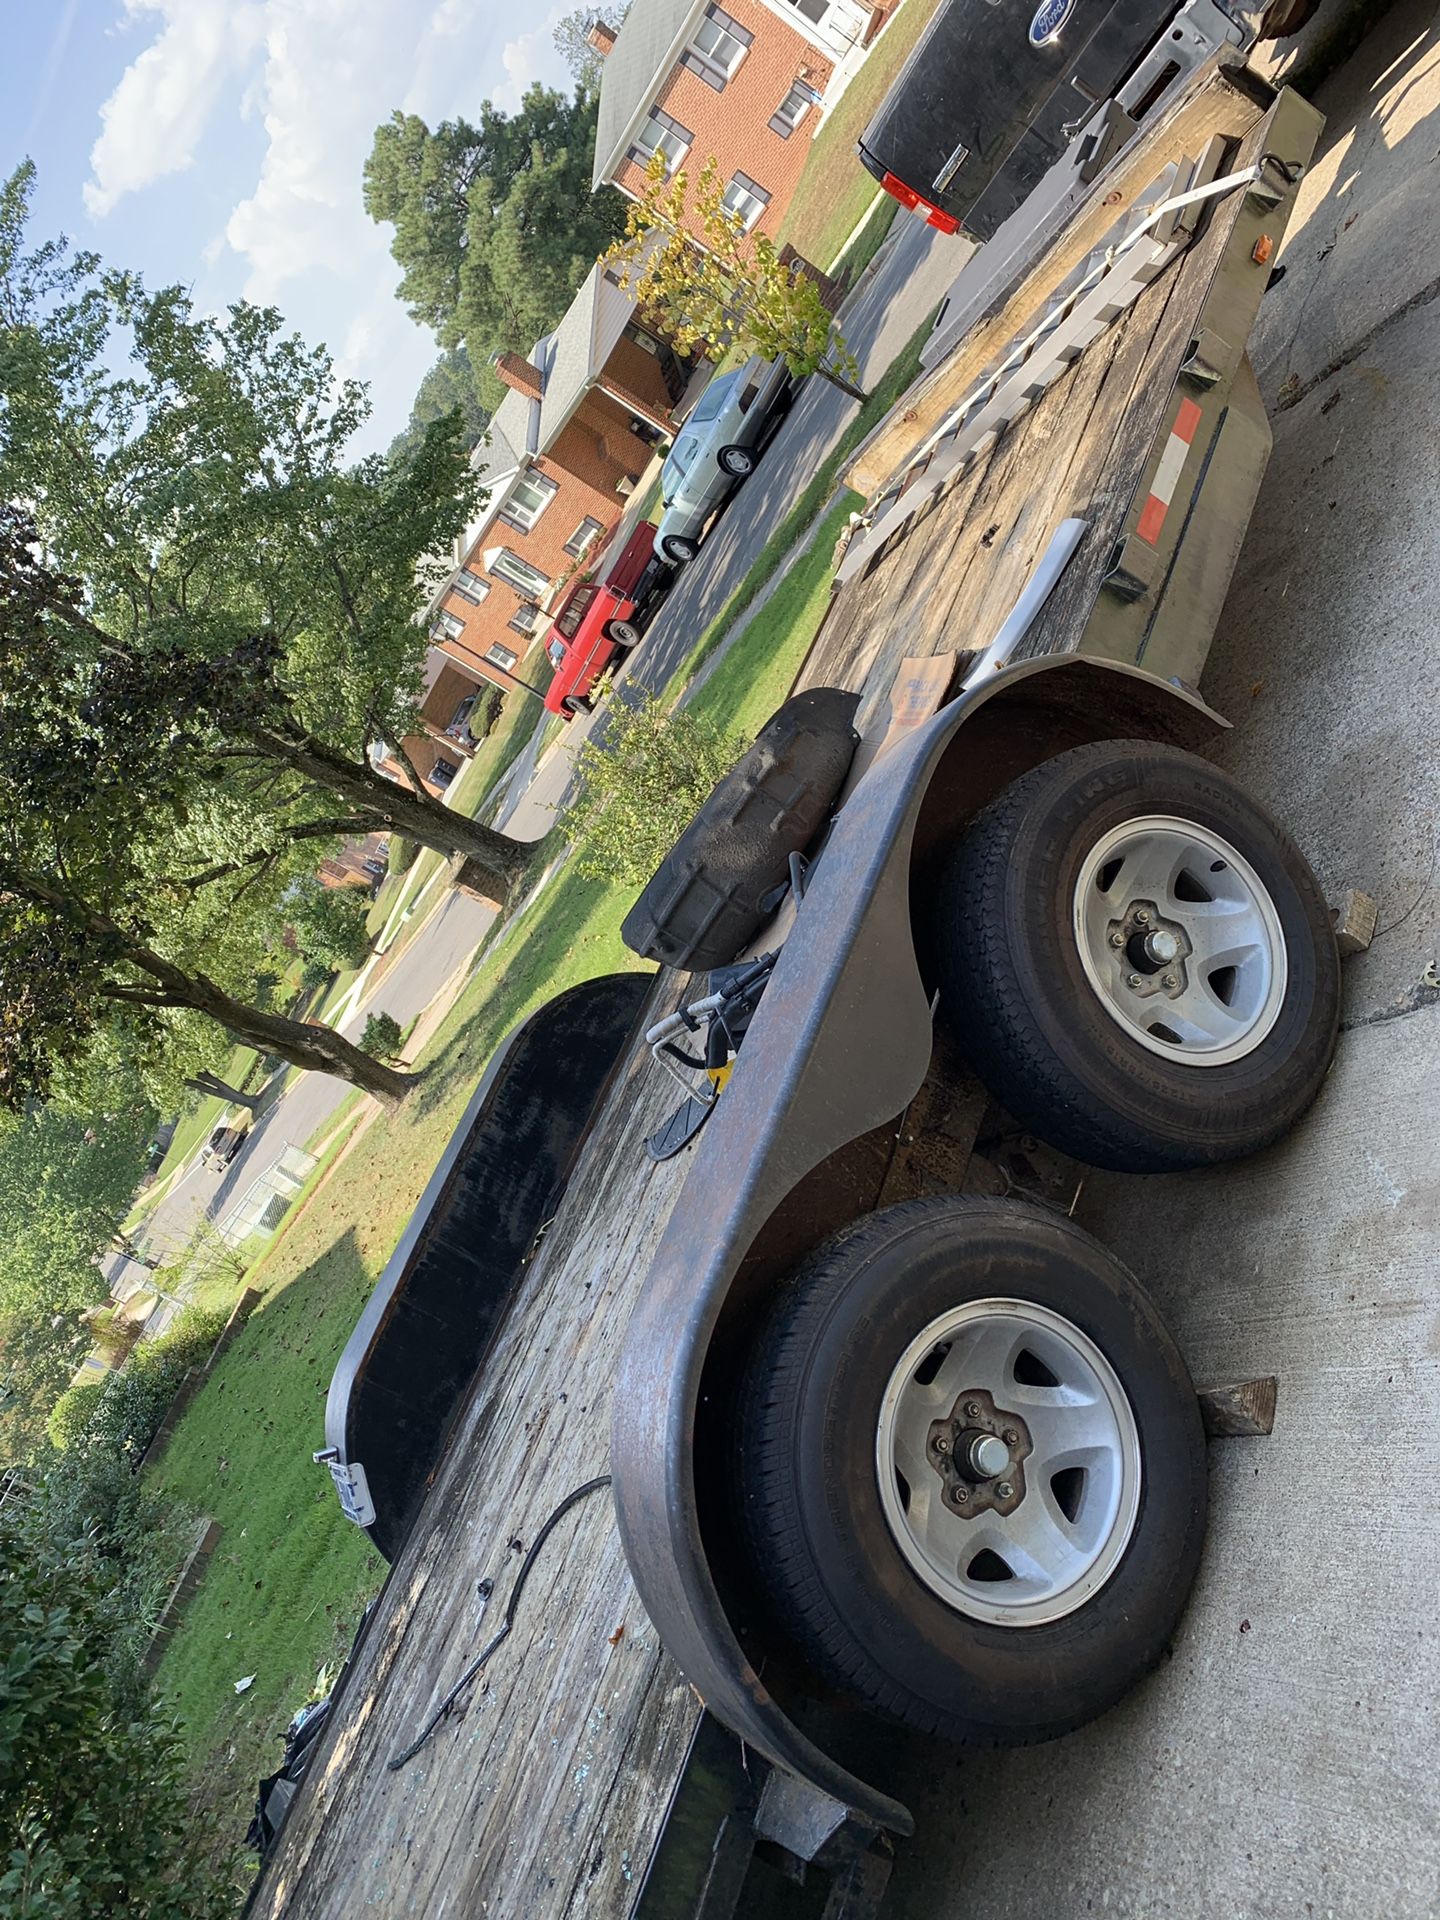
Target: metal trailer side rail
x,y
818,1069
842,1041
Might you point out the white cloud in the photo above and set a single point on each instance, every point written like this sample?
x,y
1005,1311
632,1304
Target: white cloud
x,y
318,76
530,58
155,118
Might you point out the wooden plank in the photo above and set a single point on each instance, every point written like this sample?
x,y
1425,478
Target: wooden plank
x,y
1223,103
544,1793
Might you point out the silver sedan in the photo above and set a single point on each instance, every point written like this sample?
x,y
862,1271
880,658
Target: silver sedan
x,y
719,444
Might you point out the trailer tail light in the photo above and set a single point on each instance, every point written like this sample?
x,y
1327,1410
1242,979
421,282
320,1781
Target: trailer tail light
x,y
933,216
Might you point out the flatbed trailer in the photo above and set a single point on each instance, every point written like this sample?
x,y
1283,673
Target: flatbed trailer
x,y
578,1772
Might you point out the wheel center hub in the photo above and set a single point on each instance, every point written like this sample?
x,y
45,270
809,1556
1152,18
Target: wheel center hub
x,y
1150,952
978,1451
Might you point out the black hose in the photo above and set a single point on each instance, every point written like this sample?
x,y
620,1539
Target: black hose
x,y
443,1710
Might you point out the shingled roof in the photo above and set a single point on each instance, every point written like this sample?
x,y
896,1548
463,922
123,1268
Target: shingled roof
x,y
646,48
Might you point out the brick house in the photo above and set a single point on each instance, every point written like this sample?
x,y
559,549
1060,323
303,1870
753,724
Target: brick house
x,y
563,453
357,863
447,698
744,82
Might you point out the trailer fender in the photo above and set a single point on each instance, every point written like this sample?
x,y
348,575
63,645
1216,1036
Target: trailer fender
x,y
839,1046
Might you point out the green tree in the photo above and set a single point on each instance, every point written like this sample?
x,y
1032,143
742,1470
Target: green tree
x,y
571,38
382,1036
199,494
641,786
39,1353
449,384
330,923
495,221
66,1183
103,922
707,284
92,1804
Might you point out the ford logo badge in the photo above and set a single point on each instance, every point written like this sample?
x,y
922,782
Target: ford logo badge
x,y
1049,18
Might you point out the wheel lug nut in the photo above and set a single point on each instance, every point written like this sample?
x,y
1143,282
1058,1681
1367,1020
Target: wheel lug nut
x,y
1009,1436
1142,918
1167,980
1117,939
942,1445
972,1410
1004,1490
1132,979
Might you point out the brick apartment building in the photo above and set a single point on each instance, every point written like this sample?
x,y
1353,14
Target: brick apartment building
x,y
564,451
744,82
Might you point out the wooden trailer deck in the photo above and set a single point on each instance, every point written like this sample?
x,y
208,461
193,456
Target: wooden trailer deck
x,y
543,1796
947,584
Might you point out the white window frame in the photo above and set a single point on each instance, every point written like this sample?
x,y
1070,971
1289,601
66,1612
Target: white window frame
x,y
577,547
656,130
522,515
520,575
450,624
786,119
749,202
470,586
527,619
719,62
502,656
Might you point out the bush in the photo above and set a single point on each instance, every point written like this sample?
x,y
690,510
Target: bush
x,y
485,713
401,855
69,1419
119,1417
92,1804
316,974
329,923
642,787
382,1038
115,1334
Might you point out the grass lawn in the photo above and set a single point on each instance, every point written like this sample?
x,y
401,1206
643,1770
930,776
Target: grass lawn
x,y
870,238
834,190
755,675
813,500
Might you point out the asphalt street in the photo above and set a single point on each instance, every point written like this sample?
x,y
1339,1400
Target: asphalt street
x,y
309,1099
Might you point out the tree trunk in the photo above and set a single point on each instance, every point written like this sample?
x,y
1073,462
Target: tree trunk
x,y
212,1084
839,380
494,860
303,1043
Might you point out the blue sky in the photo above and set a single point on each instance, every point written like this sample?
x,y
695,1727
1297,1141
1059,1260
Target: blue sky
x,y
220,143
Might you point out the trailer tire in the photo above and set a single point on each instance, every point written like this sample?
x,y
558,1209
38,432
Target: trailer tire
x,y
1143,1070
827,1549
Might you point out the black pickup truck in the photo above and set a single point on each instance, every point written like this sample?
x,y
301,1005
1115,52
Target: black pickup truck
x,y
991,97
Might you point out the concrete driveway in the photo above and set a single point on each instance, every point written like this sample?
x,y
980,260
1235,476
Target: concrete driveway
x,y
1283,1760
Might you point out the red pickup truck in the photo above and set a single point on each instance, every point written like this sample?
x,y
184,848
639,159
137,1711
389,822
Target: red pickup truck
x,y
595,624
